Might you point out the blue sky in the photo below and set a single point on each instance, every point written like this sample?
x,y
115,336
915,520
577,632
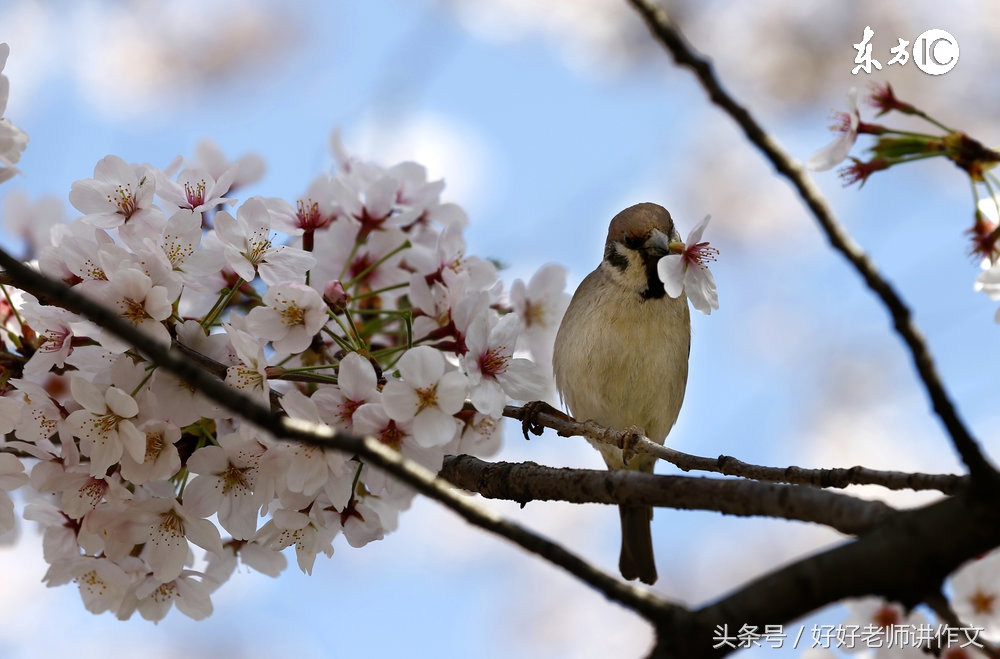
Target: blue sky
x,y
542,138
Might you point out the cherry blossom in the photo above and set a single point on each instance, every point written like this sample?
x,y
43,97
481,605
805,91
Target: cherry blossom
x,y
141,303
133,468
540,304
226,484
307,470
494,373
357,385
291,316
161,460
427,393
291,528
55,336
686,271
105,425
976,598
196,190
249,168
250,249
118,194
163,527
152,598
874,617
249,375
847,125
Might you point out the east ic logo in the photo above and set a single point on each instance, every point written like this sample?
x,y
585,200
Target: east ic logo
x,y
934,52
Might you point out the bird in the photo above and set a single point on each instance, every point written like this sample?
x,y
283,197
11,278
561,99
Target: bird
x,y
621,357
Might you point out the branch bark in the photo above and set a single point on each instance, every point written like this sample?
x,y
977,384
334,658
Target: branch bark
x,y
526,482
730,466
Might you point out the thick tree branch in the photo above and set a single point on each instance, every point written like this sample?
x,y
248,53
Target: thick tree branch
x,y
373,452
528,482
903,560
724,464
667,33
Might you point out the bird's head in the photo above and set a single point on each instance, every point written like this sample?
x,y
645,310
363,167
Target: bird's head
x,y
638,238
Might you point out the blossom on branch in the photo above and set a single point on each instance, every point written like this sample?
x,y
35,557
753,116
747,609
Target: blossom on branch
x,y
139,468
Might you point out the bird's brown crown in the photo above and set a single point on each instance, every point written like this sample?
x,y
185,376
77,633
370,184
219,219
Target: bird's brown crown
x,y
636,223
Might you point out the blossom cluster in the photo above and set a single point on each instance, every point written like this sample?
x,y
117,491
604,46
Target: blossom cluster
x,y
356,307
896,147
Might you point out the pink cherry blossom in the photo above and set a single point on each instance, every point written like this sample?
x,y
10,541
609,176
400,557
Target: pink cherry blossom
x,y
976,597
13,140
163,527
289,528
249,375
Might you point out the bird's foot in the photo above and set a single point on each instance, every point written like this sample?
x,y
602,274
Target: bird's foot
x,y
529,416
630,436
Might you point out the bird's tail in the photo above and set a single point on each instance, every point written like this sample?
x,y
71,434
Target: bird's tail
x,y
636,560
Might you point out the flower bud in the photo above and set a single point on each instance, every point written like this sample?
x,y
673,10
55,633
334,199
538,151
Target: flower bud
x,y
335,296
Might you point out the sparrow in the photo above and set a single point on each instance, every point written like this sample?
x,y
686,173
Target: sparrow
x,y
621,356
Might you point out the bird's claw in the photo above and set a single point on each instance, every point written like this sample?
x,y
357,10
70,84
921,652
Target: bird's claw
x,y
529,417
629,438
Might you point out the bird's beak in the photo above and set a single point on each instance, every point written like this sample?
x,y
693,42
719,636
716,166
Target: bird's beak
x,y
658,243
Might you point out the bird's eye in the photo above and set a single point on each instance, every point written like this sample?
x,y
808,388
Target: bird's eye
x,y
634,242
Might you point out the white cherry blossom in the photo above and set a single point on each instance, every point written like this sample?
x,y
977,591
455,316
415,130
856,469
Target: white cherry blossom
x,y
291,316
494,373
429,393
686,271
250,249
105,425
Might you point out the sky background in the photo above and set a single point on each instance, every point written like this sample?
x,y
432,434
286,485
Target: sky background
x,y
545,119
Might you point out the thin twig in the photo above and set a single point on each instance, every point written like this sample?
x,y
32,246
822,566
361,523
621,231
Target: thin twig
x,y
724,464
667,33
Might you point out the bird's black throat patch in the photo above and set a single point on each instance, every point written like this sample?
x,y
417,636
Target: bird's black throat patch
x,y
654,287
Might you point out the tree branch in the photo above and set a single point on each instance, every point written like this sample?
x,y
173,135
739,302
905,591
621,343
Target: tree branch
x,y
904,560
724,464
526,482
667,33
